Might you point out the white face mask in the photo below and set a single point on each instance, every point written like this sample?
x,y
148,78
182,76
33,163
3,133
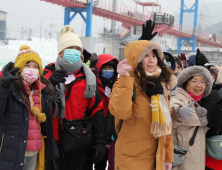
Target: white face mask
x,y
30,75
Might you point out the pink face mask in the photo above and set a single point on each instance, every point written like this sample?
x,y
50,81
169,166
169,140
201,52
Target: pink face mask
x,y
30,75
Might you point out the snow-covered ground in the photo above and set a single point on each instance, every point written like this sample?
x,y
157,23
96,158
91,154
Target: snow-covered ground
x,y
47,50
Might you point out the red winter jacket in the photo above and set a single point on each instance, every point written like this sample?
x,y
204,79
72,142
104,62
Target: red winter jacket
x,y
110,128
76,106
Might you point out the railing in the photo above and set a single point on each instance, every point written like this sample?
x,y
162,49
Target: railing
x,y
135,12
122,9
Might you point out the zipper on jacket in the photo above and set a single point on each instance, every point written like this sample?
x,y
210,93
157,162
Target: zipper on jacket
x,y
3,135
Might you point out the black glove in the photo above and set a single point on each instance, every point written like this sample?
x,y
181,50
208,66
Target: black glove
x,y
87,56
58,77
8,75
201,59
147,31
100,153
93,60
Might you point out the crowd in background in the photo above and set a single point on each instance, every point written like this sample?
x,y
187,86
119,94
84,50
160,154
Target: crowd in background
x,y
150,111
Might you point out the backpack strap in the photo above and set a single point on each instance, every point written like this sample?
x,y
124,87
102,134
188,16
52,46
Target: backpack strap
x,y
71,84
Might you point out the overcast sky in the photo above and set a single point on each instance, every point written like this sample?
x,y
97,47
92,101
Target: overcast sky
x,y
30,13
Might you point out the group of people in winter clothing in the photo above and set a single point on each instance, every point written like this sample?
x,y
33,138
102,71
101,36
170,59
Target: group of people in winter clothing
x,y
72,114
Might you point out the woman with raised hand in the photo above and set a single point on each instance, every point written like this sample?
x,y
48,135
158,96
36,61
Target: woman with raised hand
x,y
139,102
26,133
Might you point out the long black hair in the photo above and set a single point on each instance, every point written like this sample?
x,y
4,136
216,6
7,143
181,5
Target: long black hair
x,y
140,73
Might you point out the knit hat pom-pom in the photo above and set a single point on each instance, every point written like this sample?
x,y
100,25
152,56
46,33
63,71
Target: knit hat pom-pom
x,y
41,117
35,111
24,47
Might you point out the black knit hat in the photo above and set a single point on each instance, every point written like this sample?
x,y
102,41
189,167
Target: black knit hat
x,y
201,59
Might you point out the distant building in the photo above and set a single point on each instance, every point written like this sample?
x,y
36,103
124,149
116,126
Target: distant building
x,y
3,25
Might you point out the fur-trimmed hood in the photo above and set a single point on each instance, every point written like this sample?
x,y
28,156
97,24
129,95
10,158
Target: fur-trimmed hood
x,y
193,71
136,51
170,86
48,89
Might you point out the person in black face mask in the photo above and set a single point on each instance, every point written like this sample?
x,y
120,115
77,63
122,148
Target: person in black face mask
x,y
107,76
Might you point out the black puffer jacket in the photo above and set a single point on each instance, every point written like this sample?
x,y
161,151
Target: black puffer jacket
x,y
214,112
14,126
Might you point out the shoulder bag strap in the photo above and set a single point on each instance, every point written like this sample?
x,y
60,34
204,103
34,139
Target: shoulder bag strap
x,y
191,142
71,84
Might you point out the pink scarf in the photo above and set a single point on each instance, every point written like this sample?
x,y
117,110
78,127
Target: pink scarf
x,y
196,98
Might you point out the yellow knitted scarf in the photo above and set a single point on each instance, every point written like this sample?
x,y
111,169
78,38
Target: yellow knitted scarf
x,y
161,119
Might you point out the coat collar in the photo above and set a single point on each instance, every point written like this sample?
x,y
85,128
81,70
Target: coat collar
x,y
48,89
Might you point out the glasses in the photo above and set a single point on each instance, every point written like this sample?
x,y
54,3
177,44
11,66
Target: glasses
x,y
202,83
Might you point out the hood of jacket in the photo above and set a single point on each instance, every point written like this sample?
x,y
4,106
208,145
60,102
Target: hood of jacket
x,y
103,59
138,49
191,59
193,71
173,64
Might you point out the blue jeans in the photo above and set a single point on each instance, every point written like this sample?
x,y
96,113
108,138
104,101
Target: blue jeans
x,y
30,162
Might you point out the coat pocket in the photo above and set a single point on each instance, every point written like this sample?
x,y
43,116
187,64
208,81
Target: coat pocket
x,y
136,147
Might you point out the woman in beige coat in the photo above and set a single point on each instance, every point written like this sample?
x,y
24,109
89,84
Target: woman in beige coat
x,y
141,143
194,83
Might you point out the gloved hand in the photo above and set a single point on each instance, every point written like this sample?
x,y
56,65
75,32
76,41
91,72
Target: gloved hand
x,y
168,165
123,68
201,111
202,114
186,112
87,55
58,77
203,121
93,60
8,75
183,60
100,153
147,31
201,59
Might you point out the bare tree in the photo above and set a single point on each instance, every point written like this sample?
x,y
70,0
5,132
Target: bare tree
x,y
57,35
30,31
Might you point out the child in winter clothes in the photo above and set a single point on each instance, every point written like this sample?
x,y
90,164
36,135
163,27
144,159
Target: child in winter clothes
x,y
107,66
76,98
26,135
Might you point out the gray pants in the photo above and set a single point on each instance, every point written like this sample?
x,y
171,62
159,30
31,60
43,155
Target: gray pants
x,y
30,162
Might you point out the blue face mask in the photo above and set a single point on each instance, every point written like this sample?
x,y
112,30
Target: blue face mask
x,y
107,74
72,55
168,64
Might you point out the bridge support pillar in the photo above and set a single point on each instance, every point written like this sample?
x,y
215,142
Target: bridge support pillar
x,y
87,19
192,41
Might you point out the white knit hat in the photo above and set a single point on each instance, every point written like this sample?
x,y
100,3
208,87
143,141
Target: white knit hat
x,y
68,38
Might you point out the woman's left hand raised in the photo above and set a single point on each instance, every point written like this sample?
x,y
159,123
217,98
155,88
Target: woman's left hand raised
x,y
168,165
123,68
